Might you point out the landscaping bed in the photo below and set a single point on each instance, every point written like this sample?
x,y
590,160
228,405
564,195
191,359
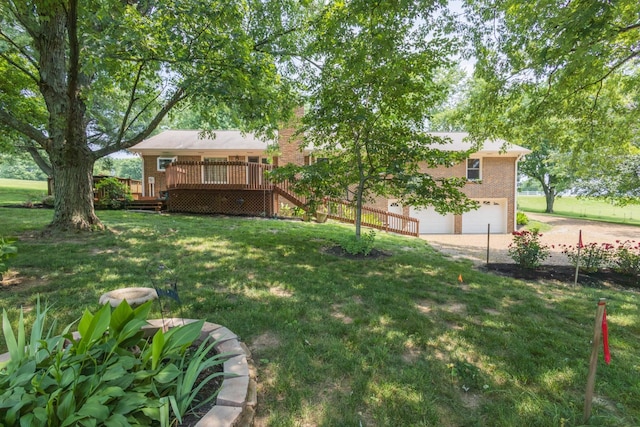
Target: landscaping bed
x,y
564,274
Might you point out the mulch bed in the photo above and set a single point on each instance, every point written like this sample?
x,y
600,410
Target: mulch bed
x,y
565,274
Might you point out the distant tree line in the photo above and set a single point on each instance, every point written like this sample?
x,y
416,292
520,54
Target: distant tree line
x,y
21,166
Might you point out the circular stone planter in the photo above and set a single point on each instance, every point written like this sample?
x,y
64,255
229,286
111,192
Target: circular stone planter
x,y
237,399
134,296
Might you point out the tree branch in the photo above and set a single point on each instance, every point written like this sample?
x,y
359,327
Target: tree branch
x,y
630,27
24,128
132,100
40,161
178,96
19,49
20,67
272,37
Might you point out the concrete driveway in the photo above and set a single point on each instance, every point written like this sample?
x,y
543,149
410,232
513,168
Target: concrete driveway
x,y
564,232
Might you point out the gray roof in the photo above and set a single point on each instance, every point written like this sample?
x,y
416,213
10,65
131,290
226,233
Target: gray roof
x,y
194,140
460,142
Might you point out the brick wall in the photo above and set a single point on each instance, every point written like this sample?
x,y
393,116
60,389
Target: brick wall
x,y
288,144
498,182
150,168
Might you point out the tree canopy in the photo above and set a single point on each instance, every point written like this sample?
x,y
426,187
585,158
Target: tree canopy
x,y
82,80
380,73
561,78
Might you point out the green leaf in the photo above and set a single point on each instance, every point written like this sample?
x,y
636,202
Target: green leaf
x,y
167,374
182,336
120,316
85,323
114,372
66,405
95,410
116,420
96,327
129,402
22,376
10,338
157,346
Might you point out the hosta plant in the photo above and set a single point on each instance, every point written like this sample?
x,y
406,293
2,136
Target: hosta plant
x,y
109,374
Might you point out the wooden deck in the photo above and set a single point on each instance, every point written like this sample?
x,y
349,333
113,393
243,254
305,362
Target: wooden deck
x,y
192,178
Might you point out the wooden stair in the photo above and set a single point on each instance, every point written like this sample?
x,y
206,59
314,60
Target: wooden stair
x,y
147,205
344,211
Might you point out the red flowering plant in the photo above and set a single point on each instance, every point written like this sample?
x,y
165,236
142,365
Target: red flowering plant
x,y
526,249
626,257
592,256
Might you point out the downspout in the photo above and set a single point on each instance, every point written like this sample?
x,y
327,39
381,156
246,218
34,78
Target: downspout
x,y
515,195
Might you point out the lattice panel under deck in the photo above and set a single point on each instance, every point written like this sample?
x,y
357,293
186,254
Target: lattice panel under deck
x,y
221,201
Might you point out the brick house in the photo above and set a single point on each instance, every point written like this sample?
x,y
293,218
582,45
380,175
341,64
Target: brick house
x,y
225,174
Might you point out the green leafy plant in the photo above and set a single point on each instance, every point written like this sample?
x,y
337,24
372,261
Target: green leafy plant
x,y
590,257
626,258
109,374
48,201
7,250
522,219
526,249
112,193
362,246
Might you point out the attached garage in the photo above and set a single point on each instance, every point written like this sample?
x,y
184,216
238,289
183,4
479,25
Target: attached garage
x,y
492,212
431,222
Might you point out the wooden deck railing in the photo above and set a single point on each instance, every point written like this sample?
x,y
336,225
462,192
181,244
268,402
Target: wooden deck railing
x,y
344,211
217,175
200,175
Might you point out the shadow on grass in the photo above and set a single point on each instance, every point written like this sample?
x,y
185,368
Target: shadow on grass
x,y
397,340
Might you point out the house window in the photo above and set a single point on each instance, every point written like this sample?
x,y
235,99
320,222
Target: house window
x,y
473,169
253,159
163,162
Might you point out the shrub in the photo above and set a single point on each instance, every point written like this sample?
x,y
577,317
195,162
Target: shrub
x,y
110,375
48,201
626,257
593,256
113,194
526,249
7,250
358,246
522,219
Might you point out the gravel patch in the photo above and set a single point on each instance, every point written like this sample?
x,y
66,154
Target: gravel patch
x,y
564,231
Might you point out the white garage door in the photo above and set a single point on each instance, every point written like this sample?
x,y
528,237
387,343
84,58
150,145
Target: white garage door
x,y
492,212
431,222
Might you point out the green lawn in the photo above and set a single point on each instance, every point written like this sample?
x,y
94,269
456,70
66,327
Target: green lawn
x,y
396,341
581,208
16,191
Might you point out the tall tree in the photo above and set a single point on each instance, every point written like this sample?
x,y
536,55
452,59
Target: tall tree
x,y
549,168
562,81
85,79
378,77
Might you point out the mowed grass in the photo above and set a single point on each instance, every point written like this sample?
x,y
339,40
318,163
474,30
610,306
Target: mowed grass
x,y
393,341
16,191
583,208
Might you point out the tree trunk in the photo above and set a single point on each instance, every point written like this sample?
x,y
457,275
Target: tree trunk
x,y
358,216
73,192
61,86
550,197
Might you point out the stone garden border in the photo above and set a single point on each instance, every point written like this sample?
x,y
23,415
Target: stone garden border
x,y
237,399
